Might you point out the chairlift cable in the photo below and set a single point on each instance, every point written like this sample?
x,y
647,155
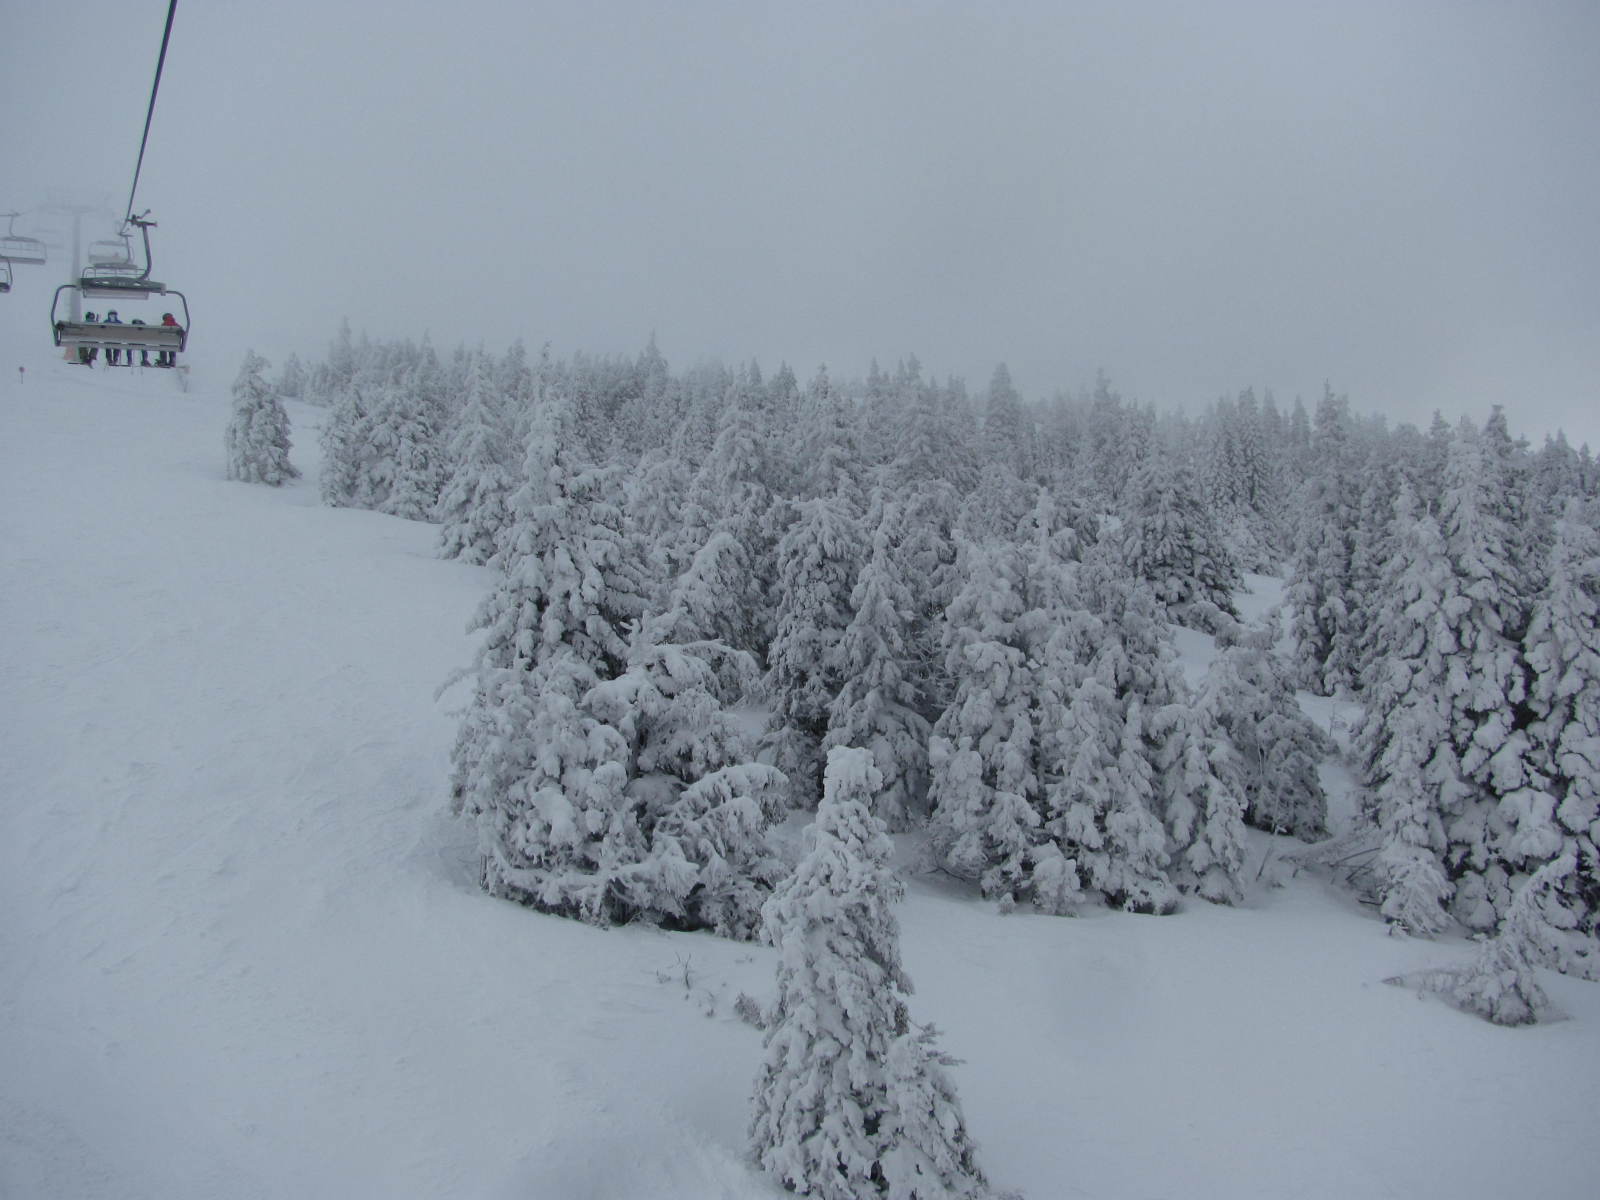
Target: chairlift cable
x,y
166,35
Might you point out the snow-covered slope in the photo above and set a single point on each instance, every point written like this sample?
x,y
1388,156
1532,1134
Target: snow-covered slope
x,y
242,952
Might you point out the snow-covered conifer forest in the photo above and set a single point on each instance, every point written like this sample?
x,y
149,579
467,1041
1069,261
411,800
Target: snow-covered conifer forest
x,y
556,784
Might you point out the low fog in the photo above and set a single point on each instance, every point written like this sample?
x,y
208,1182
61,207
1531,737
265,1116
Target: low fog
x,y
1398,199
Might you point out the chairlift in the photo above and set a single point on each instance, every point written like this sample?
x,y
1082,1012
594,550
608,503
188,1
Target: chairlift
x,y
111,252
97,335
5,277
121,281
111,282
15,248
120,277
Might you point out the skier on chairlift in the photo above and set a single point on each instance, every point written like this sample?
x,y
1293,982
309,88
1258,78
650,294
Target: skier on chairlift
x,y
113,355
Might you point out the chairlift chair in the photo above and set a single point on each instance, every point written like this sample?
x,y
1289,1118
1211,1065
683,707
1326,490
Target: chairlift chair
x,y
107,282
17,249
120,281
111,253
98,336
5,277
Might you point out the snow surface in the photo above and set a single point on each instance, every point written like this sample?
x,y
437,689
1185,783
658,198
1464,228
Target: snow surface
x,y
242,953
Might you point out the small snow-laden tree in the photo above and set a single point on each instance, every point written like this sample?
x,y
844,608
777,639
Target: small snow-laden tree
x,y
474,504
1169,539
877,705
982,756
731,496
702,802
1104,814
830,452
1409,769
923,448
1488,612
1248,693
419,470
713,600
852,1100
1240,482
998,505
1561,818
257,437
547,791
1500,983
647,412
1201,788
380,451
1008,431
291,383
1374,549
817,563
572,572
654,499
556,827
1115,448
926,555
1321,604
343,440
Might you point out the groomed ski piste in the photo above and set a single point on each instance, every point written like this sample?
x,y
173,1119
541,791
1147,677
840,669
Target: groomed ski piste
x,y
243,953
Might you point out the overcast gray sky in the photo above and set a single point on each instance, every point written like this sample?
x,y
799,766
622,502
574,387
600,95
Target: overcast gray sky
x,y
1401,197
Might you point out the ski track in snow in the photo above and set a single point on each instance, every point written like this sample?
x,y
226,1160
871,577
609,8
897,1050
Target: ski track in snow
x,y
242,953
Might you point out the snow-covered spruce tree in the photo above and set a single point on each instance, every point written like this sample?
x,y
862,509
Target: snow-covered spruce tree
x,y
257,437
876,707
927,558
852,1099
1373,548
1499,984
1107,816
1202,797
409,471
701,802
1104,813
1488,613
543,779
998,505
291,383
731,491
546,785
475,501
1115,444
1008,432
344,440
1561,818
1319,585
982,757
1248,692
654,500
1409,767
1241,483
830,453
710,601
1169,539
817,561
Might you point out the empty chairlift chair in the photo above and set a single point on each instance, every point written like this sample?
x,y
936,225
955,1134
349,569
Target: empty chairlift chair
x,y
17,249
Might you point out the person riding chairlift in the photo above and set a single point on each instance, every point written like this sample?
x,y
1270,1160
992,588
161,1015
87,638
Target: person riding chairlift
x,y
167,358
86,354
144,355
113,355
